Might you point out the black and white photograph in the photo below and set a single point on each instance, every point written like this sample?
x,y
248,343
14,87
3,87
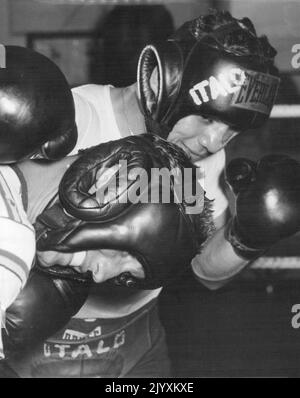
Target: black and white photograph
x,y
149,191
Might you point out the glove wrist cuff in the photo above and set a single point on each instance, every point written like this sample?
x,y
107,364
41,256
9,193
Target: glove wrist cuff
x,y
242,250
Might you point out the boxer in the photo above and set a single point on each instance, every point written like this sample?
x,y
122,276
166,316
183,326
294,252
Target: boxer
x,y
37,119
213,79
162,236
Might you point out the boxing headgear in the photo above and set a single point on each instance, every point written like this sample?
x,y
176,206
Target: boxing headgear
x,y
37,113
162,236
199,76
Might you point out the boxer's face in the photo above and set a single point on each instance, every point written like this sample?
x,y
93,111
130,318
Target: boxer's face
x,y
200,137
197,136
106,264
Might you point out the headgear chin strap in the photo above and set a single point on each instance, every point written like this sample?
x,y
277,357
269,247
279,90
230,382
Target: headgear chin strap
x,y
201,77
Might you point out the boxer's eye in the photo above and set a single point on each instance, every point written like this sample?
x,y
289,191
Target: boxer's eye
x,y
208,120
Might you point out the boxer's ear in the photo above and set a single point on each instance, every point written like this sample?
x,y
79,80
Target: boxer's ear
x,y
154,82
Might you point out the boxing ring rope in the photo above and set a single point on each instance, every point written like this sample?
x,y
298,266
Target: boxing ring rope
x,y
281,111
277,263
285,111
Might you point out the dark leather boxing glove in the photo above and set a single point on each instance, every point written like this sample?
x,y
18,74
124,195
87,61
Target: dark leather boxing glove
x,y
160,235
37,112
43,307
267,203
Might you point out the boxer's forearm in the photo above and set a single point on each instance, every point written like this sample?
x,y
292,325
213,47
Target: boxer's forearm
x,y
50,258
218,262
16,259
10,288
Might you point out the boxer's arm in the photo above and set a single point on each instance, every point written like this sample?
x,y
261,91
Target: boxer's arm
x,y
16,258
50,258
218,263
10,288
267,197
17,237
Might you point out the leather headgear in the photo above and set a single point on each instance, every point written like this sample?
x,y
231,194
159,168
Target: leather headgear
x,y
162,236
37,112
200,76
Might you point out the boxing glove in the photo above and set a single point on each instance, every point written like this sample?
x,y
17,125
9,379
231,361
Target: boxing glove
x,y
43,307
267,203
161,236
37,112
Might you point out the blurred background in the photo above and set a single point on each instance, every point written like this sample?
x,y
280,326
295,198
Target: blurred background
x,y
247,327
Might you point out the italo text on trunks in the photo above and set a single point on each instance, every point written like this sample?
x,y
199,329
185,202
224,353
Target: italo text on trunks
x,y
157,185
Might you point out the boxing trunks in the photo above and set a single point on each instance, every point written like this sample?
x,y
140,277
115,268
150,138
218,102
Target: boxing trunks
x,y
131,346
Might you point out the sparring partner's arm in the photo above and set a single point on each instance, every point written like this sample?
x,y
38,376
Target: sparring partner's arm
x,y
218,262
17,248
266,210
